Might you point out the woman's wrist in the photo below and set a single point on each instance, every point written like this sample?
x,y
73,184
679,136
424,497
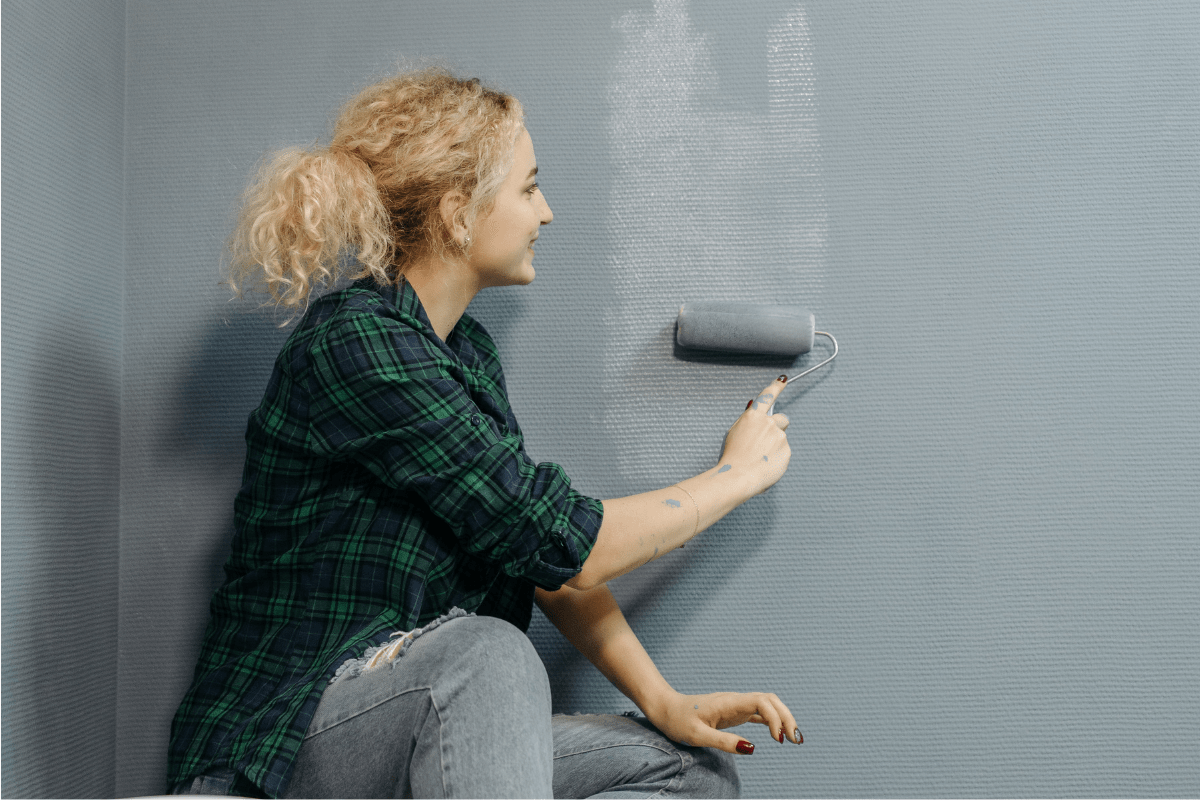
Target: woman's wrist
x,y
655,701
750,476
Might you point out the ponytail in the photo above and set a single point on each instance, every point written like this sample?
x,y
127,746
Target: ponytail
x,y
399,146
298,215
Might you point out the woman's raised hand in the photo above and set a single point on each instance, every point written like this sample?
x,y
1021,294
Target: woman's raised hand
x,y
696,720
756,442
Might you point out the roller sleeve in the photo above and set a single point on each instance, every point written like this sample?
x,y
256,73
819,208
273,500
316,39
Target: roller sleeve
x,y
745,328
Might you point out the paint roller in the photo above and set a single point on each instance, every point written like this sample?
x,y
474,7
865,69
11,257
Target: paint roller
x,y
750,328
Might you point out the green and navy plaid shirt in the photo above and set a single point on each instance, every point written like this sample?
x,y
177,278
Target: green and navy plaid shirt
x,y
386,482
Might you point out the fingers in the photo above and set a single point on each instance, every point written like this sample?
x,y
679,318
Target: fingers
x,y
762,708
786,727
781,420
770,715
776,716
766,398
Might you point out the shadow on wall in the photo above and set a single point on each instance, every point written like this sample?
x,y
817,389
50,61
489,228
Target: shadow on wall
x,y
205,429
222,384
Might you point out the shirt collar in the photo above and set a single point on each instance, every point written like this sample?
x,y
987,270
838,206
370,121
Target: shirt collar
x,y
400,296
404,297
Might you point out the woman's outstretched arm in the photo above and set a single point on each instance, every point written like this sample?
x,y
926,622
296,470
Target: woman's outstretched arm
x,y
592,621
640,528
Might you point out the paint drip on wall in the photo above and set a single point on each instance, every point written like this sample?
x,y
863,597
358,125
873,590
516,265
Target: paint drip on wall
x,y
705,204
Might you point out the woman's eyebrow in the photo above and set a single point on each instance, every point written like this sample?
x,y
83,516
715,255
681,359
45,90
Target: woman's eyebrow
x,y
532,172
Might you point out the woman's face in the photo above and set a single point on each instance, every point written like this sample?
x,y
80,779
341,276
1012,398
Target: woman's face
x,y
501,251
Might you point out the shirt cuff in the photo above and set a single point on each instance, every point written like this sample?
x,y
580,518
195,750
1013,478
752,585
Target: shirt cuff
x,y
570,540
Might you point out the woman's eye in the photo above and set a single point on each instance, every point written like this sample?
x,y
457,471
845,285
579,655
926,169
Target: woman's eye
x,y
532,189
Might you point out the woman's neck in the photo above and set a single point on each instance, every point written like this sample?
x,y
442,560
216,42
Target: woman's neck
x,y
445,288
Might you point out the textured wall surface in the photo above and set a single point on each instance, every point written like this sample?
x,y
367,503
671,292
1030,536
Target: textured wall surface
x,y
978,576
64,257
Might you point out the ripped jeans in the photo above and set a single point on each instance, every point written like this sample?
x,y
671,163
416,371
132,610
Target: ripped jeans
x,y
465,712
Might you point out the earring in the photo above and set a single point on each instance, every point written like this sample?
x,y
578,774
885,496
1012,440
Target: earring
x,y
466,242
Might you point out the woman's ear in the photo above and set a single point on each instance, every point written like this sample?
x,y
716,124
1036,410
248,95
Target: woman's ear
x,y
451,204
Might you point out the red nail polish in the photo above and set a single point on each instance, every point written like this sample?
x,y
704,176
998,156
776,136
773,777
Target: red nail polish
x,y
745,747
749,403
782,378
799,736
781,735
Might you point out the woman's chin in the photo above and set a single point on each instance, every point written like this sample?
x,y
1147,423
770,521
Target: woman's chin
x,y
520,277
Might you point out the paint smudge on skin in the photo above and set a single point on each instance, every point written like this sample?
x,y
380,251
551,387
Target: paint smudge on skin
x,y
765,399
653,556
696,707
725,468
765,458
672,503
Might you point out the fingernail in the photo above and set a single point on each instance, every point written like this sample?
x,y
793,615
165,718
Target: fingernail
x,y
745,747
799,736
782,378
781,735
749,403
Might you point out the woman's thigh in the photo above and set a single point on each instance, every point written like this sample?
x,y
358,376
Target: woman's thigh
x,y
599,755
441,721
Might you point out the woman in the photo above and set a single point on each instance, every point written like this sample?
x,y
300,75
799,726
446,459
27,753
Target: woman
x,y
392,535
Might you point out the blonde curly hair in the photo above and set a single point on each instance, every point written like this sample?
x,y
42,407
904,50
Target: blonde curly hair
x,y
398,147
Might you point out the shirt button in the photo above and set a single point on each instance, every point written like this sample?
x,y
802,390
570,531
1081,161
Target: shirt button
x,y
475,420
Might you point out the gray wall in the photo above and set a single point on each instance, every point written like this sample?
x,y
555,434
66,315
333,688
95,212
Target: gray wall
x,y
64,263
978,577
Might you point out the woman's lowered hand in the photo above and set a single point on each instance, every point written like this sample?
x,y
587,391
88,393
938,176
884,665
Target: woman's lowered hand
x,y
696,720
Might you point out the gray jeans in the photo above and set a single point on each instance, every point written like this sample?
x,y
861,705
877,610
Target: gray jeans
x,y
465,712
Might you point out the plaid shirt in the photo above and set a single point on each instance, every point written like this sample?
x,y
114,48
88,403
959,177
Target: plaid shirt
x,y
386,482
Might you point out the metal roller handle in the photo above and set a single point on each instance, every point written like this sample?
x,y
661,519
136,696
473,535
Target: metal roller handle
x,y
823,363
771,410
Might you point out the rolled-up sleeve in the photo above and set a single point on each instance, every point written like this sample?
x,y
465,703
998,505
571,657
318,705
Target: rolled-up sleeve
x,y
381,395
